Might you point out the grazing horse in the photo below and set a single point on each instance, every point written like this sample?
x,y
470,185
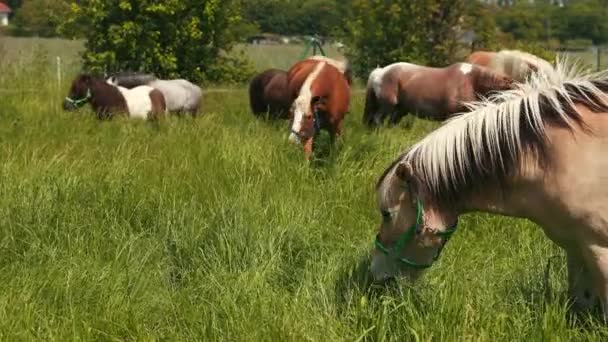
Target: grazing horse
x,y
322,98
536,152
269,94
106,100
516,64
434,93
180,95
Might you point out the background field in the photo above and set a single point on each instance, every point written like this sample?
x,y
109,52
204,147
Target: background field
x,y
216,229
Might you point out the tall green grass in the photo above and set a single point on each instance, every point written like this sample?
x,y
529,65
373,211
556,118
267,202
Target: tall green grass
x,y
216,229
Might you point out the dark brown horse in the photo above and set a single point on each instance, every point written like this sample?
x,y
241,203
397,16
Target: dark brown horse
x,y
107,100
269,96
433,93
321,95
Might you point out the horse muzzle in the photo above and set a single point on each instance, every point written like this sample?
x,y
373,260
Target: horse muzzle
x,y
69,106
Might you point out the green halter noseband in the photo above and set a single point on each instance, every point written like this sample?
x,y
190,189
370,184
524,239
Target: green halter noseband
x,y
79,102
407,237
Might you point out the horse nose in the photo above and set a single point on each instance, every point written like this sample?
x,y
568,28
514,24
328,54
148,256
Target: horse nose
x,y
67,105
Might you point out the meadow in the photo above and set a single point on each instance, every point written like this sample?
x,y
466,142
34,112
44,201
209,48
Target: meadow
x,y
215,228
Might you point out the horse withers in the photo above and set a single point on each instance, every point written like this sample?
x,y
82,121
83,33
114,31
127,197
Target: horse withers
x,y
433,93
322,98
516,154
107,100
181,96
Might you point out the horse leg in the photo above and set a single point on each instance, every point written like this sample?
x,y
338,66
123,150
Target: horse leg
x,y
580,286
596,258
308,148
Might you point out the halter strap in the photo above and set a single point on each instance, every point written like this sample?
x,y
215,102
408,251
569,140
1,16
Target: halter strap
x,y
80,102
407,237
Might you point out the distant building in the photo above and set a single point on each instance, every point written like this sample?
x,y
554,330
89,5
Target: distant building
x,y
5,11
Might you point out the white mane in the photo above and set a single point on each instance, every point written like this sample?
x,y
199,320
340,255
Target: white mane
x,y
488,139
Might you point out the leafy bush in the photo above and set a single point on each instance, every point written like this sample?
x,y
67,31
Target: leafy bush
x,y
417,31
171,38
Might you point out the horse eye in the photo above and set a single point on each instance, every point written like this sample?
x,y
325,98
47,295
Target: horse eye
x,y
386,215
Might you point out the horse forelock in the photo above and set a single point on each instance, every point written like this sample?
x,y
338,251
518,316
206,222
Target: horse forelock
x,y
488,142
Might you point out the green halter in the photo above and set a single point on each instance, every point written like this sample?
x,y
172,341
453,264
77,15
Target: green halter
x,y
79,102
407,237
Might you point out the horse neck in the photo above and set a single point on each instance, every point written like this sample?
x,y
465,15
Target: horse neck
x,y
485,81
516,196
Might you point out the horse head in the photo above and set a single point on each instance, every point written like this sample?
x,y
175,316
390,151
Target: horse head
x,y
80,92
414,227
304,114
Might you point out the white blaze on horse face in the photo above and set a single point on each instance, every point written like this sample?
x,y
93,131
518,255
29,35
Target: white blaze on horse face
x,y
302,104
466,68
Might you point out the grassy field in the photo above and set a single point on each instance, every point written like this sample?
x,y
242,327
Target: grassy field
x,y
216,229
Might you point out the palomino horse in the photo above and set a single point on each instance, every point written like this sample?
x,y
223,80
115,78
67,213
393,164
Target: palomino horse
x,y
106,100
517,154
269,94
434,93
322,98
516,64
181,95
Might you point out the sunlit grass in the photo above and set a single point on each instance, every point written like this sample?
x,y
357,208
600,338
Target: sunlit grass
x,y
216,229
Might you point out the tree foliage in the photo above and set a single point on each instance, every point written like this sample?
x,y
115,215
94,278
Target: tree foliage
x,y
172,38
293,17
379,32
40,17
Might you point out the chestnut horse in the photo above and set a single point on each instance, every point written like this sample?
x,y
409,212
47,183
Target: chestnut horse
x,y
322,98
516,64
536,152
433,93
106,100
269,95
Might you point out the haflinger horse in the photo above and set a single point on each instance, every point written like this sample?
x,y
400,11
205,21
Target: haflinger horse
x,y
322,98
181,96
535,152
517,64
142,102
433,93
269,95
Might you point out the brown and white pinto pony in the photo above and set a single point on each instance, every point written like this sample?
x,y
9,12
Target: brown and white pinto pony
x,y
321,95
269,95
516,64
433,93
142,102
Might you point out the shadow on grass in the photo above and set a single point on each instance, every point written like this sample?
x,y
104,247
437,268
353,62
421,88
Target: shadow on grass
x,y
355,285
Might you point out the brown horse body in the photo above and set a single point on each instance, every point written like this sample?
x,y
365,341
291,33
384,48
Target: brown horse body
x,y
108,100
433,93
269,95
321,94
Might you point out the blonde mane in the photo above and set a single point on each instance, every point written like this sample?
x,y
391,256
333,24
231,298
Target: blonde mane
x,y
343,66
489,141
518,64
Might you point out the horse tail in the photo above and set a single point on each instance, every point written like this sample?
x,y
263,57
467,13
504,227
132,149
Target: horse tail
x,y
159,106
256,95
371,107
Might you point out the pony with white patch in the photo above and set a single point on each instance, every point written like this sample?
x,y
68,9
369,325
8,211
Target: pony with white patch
x,y
535,152
142,102
517,64
180,95
321,94
433,93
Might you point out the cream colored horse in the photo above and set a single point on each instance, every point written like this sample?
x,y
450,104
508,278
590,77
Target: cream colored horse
x,y
536,152
517,64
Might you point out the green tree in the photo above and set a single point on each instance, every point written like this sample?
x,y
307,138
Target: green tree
x,y
40,17
172,38
380,32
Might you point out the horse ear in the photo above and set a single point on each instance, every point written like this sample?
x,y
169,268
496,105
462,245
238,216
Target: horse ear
x,y
404,171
